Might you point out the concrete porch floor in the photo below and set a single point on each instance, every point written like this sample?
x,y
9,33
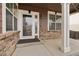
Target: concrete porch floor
x,y
46,48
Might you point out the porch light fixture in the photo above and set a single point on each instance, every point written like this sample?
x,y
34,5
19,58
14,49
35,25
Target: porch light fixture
x,y
29,11
55,13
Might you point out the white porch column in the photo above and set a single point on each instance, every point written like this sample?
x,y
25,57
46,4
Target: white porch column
x,y
65,27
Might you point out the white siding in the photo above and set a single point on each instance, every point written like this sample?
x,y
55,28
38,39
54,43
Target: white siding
x,y
74,19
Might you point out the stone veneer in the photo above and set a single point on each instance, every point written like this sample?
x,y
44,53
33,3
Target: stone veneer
x,y
8,43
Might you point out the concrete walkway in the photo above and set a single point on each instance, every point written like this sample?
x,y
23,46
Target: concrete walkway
x,y
31,49
46,48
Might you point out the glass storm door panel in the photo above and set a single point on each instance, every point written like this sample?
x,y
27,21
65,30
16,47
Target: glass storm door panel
x,y
27,25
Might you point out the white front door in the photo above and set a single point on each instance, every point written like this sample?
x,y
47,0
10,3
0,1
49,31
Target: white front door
x,y
28,24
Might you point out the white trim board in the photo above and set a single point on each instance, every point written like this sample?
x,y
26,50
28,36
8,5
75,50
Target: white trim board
x,y
20,13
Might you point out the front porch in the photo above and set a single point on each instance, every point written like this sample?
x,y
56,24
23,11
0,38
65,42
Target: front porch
x,y
47,22
46,48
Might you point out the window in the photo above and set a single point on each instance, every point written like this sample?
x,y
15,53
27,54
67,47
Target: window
x,y
15,23
54,21
58,22
15,9
8,21
11,18
10,6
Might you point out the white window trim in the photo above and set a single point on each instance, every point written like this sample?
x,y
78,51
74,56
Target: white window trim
x,y
3,18
53,13
4,8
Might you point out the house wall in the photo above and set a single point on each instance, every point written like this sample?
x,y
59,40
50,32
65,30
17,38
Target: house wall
x,y
74,19
0,18
44,33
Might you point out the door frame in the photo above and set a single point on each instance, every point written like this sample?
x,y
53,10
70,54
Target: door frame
x,y
20,23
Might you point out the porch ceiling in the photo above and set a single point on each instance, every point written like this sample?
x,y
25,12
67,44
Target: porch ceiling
x,y
74,7
44,6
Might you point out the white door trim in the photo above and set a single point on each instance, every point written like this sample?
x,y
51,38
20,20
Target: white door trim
x,y
37,13
20,23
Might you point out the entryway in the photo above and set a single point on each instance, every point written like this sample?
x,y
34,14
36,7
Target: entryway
x,y
28,24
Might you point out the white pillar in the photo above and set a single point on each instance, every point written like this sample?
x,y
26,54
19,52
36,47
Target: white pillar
x,y
65,27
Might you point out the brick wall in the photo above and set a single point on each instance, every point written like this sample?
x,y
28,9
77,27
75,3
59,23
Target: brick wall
x,y
0,18
44,33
